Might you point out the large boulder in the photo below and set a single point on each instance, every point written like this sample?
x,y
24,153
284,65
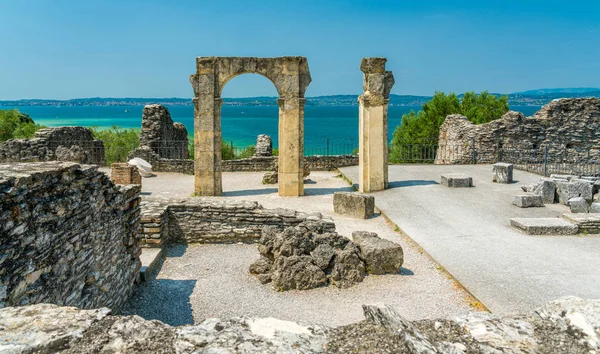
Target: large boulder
x,y
573,189
297,272
381,256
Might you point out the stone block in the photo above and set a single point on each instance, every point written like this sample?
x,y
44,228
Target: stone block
x,y
563,177
502,172
544,226
122,173
381,256
572,189
578,205
546,188
527,201
595,208
456,180
270,178
353,204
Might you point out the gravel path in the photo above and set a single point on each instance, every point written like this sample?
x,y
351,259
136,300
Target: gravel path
x,y
201,281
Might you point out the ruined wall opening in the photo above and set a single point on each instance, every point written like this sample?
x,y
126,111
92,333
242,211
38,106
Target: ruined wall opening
x,y
249,109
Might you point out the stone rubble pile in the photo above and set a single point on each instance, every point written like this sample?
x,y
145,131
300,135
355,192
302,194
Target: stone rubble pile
x,y
580,193
264,146
567,325
306,256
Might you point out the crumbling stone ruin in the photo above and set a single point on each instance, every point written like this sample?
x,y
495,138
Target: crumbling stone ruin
x,y
264,146
307,256
68,236
196,220
291,77
566,325
75,144
564,127
168,139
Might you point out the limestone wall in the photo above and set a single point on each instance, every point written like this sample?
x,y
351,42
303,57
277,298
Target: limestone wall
x,y
197,220
67,236
166,138
566,127
75,144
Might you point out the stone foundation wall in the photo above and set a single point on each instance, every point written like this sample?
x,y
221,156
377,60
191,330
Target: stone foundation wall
x,y
122,173
565,127
194,220
68,236
75,144
166,138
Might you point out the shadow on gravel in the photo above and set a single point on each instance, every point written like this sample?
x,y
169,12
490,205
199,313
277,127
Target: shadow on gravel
x,y
325,191
175,250
411,183
405,271
166,300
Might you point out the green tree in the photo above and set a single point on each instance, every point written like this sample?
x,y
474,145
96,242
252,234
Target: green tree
x,y
118,142
16,125
423,127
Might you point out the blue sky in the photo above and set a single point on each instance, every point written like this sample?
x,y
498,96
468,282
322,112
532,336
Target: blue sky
x,y
129,48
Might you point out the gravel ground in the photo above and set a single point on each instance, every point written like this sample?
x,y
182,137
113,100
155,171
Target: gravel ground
x,y
201,281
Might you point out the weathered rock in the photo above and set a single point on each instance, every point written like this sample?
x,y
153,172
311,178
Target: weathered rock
x,y
567,325
262,269
348,269
502,172
360,206
381,256
546,188
544,226
297,272
270,178
595,208
574,189
456,180
264,146
166,138
322,255
74,144
559,127
578,205
527,201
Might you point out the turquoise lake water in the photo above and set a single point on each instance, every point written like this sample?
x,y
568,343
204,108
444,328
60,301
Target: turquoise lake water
x,y
336,126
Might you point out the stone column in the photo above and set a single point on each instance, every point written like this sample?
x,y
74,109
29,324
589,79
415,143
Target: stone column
x,y
207,130
291,146
373,125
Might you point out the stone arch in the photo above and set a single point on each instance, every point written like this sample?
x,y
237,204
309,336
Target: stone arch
x,y
289,75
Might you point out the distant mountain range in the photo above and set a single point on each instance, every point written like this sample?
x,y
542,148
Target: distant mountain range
x,y
537,97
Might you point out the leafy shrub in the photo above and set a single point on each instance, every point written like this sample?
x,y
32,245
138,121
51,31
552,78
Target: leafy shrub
x,y
16,125
118,142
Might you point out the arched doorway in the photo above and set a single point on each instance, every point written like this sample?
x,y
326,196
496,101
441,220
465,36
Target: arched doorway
x,y
291,77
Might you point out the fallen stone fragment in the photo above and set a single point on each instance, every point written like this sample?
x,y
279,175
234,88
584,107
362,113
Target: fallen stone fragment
x,y
527,201
381,256
578,205
456,180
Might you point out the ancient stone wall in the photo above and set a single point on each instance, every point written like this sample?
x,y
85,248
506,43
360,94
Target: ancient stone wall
x,y
565,127
68,236
193,220
166,138
75,144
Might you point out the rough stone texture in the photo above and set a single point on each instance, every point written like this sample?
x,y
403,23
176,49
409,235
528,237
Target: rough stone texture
x,y
353,204
270,178
264,146
308,255
546,188
381,256
75,144
588,223
68,236
595,208
544,226
562,126
578,205
527,201
456,180
373,125
291,77
167,139
502,172
122,173
194,220
566,325
573,189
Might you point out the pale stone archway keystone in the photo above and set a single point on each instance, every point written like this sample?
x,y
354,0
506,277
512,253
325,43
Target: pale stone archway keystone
x,y
373,125
291,77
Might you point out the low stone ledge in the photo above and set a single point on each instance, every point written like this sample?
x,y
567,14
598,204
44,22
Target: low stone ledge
x,y
544,226
356,205
586,222
527,201
456,180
